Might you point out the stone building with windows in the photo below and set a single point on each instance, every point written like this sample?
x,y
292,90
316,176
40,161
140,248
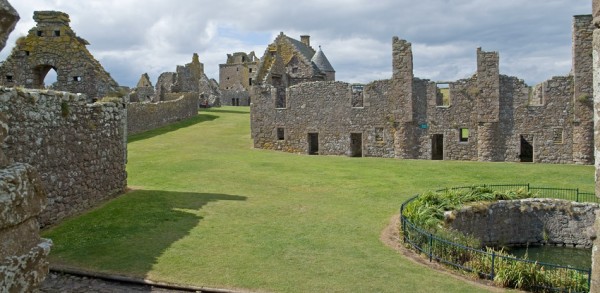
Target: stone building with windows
x,y
53,45
487,117
236,78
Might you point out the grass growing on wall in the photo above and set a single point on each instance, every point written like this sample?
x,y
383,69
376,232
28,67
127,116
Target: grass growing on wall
x,y
209,210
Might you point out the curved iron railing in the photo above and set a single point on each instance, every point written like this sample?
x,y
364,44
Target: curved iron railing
x,y
485,263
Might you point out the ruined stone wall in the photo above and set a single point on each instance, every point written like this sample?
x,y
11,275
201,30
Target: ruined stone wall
x,y
583,128
528,222
79,149
595,280
52,44
23,254
324,108
235,98
147,116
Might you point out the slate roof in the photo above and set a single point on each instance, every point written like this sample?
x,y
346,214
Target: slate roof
x,y
321,61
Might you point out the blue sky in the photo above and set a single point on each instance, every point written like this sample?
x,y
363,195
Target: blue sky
x,y
131,37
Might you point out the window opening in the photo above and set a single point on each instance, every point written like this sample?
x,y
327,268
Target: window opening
x,y
280,133
357,96
464,135
9,78
442,97
57,33
40,33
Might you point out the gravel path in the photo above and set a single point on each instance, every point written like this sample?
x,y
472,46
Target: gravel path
x,y
65,283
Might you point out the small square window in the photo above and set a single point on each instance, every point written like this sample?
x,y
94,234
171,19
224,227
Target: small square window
x,y
77,78
9,78
464,135
250,70
27,53
295,70
280,133
40,33
57,33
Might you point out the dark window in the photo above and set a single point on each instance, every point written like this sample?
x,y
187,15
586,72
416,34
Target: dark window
x,y
464,135
9,78
77,78
57,33
250,70
40,33
27,53
295,70
250,81
280,133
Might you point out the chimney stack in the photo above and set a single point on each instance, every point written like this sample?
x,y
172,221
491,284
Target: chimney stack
x,y
305,39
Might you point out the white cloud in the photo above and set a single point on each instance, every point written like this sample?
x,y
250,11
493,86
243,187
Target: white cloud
x,y
130,37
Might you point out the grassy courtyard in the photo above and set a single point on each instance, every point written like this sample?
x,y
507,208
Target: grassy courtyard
x,y
209,210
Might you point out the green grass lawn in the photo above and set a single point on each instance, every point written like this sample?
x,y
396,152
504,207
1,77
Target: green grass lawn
x,y
209,210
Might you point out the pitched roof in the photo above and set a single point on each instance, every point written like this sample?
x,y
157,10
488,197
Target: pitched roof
x,y
321,61
305,50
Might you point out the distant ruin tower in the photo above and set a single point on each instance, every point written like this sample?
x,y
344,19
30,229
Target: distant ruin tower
x,y
402,99
583,115
52,44
487,105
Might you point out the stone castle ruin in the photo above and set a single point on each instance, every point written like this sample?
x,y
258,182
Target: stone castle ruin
x,y
53,45
488,117
236,78
189,78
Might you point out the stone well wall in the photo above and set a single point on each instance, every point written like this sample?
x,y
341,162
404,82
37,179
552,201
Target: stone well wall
x,y
147,116
79,149
527,222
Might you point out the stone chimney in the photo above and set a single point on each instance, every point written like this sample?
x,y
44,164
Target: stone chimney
x,y
305,39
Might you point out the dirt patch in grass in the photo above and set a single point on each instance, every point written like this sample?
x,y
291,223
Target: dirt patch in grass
x,y
390,236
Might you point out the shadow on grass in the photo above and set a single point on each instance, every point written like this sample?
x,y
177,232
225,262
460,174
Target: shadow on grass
x,y
201,117
129,234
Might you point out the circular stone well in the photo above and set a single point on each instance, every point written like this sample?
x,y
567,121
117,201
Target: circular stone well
x,y
523,222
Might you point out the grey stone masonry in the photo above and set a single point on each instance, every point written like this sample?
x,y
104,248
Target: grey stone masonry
x,y
595,282
147,116
527,222
23,254
78,148
487,117
52,44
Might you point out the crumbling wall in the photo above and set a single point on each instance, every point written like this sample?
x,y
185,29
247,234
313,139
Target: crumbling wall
x,y
595,280
79,149
147,116
583,118
52,44
23,253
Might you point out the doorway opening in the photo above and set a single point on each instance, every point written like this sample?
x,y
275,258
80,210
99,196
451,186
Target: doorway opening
x,y
526,153
437,147
313,143
356,144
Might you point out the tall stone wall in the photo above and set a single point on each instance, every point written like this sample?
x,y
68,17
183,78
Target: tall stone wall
x,y
79,149
583,128
595,283
147,116
489,117
528,222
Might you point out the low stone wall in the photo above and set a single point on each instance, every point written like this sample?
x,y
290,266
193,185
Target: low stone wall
x,y
23,264
527,222
147,116
79,149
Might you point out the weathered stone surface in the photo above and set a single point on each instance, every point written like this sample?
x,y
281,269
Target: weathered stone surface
x,y
236,78
595,282
146,116
78,149
21,195
24,273
489,117
8,19
527,222
52,44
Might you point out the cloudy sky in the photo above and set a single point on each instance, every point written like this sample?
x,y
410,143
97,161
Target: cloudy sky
x,y
130,37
